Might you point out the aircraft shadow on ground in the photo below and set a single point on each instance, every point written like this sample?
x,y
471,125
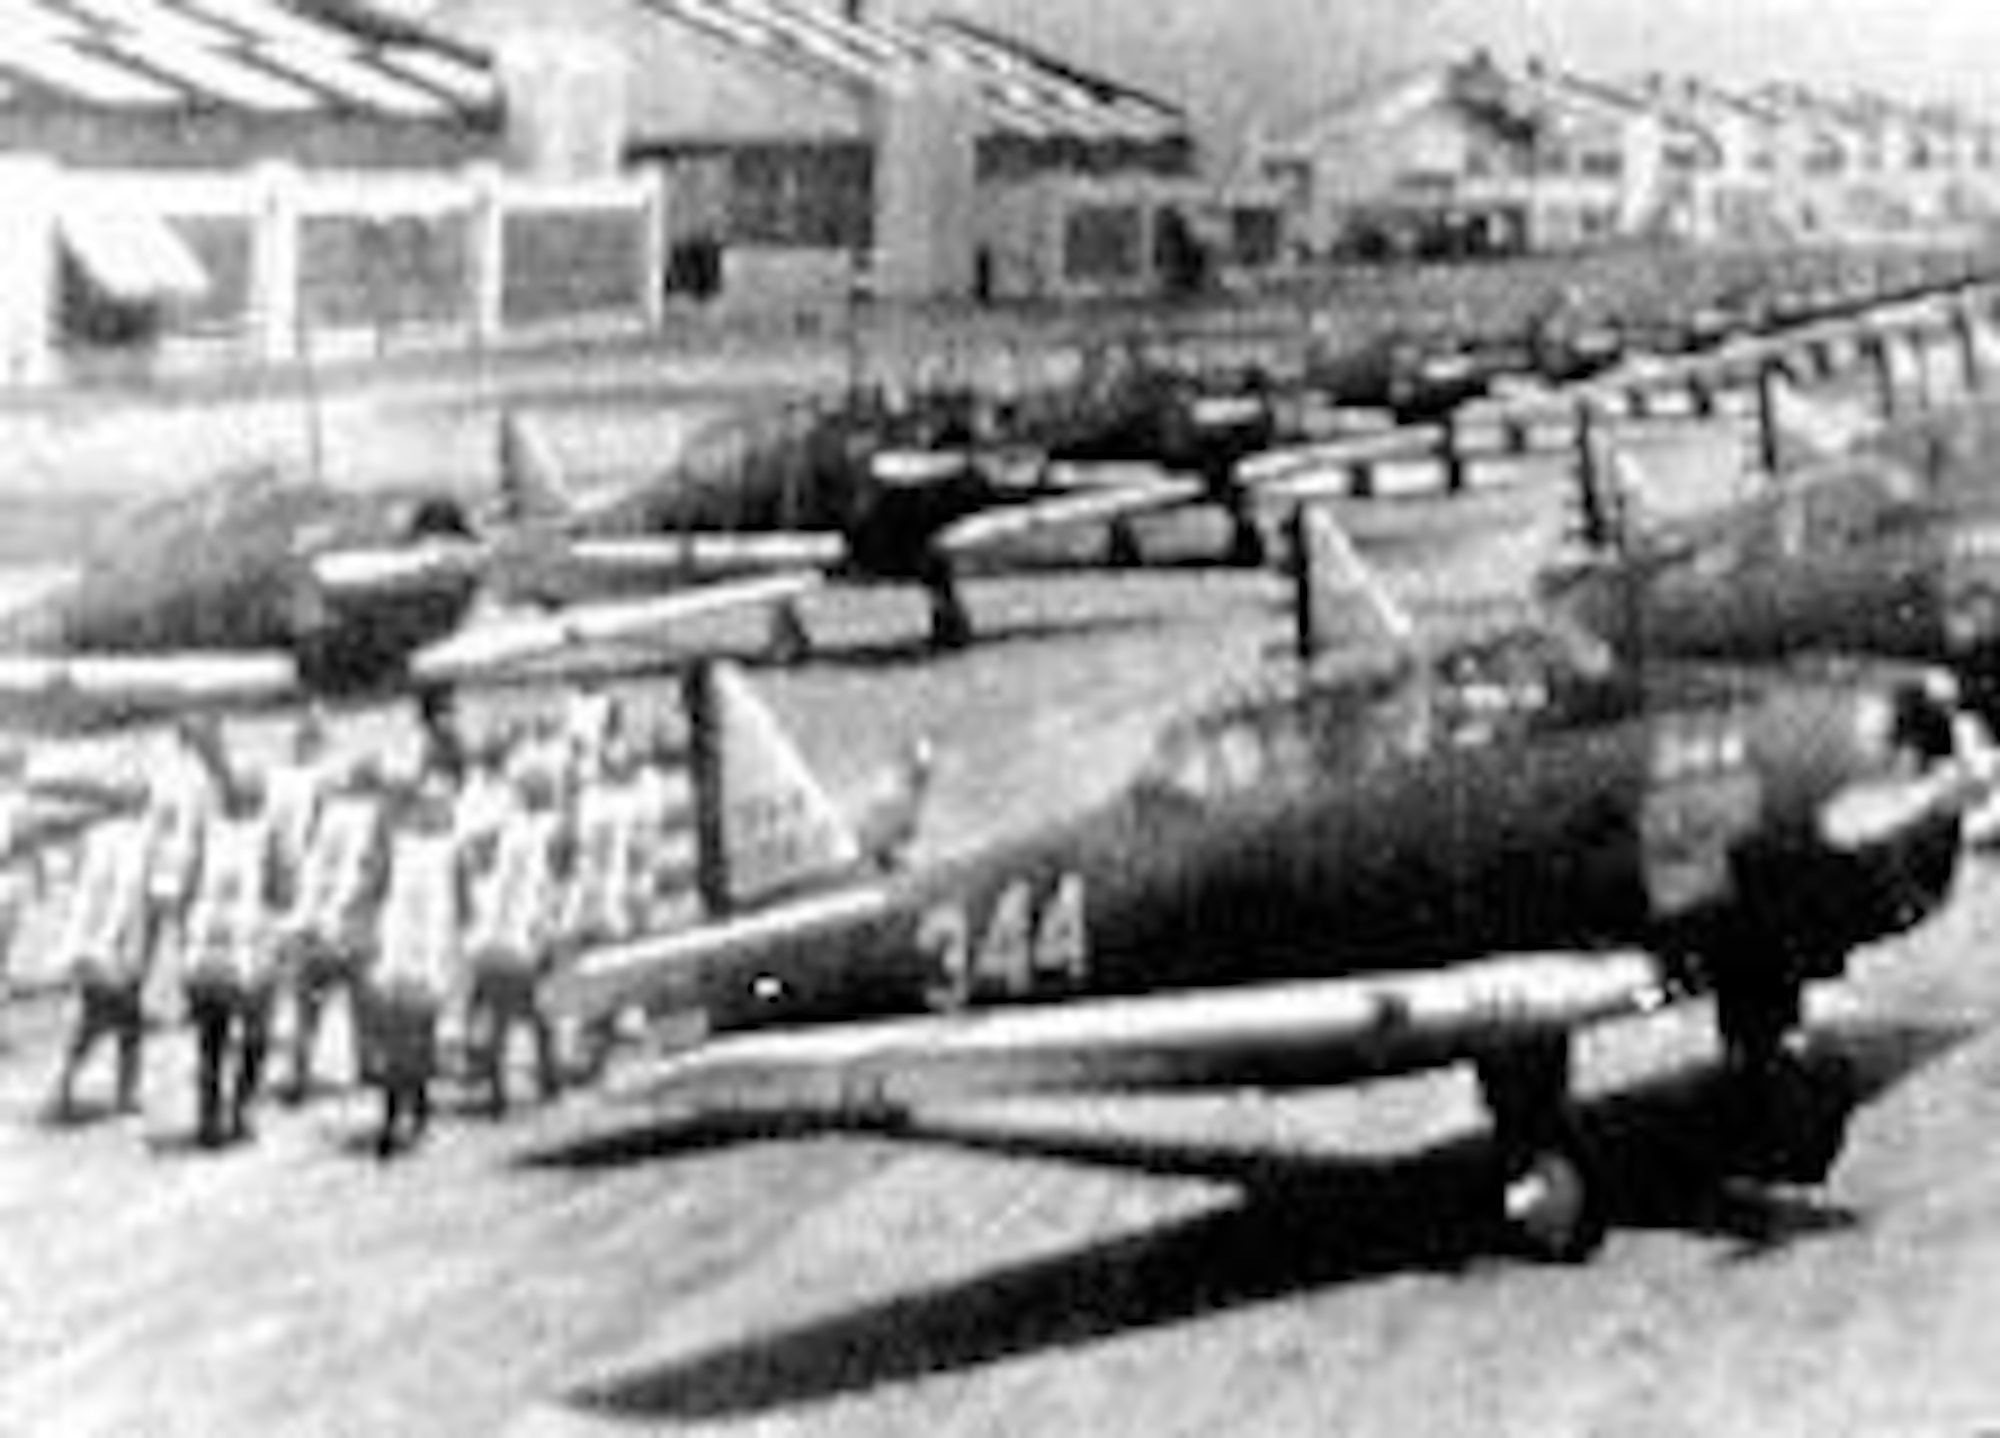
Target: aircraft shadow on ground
x,y
1301,1223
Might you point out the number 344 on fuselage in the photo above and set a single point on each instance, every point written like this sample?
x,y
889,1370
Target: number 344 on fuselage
x,y
1412,855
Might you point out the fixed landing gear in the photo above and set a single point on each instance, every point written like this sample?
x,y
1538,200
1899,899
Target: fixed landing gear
x,y
1246,541
788,640
1547,1208
1121,546
1787,1111
951,623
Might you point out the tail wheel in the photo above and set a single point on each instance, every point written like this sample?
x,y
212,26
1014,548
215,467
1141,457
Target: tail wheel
x,y
1787,1109
1247,549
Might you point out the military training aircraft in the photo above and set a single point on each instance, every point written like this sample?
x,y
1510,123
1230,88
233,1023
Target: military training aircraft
x,y
255,589
1412,854
1863,550
803,491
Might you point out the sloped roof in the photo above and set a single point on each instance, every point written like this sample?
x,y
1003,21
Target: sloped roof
x,y
1022,90
272,57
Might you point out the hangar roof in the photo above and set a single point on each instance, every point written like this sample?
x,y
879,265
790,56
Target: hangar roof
x,y
271,57
1021,89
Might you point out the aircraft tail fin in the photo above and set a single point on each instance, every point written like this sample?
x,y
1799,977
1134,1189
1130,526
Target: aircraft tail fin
x,y
1341,603
765,826
531,484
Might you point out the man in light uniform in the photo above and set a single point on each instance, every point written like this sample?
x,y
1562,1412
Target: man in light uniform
x,y
417,965
187,788
606,898
327,939
508,942
104,945
294,790
226,966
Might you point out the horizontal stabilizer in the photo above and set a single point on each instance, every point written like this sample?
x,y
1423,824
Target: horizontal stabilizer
x,y
1011,523
1275,1036
398,569
699,555
89,691
487,648
670,968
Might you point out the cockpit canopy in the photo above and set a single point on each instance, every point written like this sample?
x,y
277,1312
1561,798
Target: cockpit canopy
x,y
1354,719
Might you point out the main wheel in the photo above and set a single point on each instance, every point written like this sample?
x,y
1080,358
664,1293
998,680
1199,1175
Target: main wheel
x,y
1548,1209
790,642
1790,1116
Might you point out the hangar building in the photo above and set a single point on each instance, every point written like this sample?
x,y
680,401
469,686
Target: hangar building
x,y
797,136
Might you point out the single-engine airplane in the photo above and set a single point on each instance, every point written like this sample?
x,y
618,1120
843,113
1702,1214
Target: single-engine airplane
x,y
805,492
1865,551
254,589
1413,855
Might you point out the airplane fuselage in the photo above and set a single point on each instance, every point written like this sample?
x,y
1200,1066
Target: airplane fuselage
x,y
229,568
1312,838
1819,573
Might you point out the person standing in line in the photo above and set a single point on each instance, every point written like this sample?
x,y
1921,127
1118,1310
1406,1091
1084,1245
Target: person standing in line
x,y
418,939
602,901
226,968
327,938
104,947
507,944
187,788
295,788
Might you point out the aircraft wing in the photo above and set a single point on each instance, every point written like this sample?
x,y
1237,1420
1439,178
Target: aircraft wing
x,y
701,554
1008,523
62,692
1268,1036
73,692
489,648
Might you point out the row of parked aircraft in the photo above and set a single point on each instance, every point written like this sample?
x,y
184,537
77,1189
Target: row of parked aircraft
x,y
1418,849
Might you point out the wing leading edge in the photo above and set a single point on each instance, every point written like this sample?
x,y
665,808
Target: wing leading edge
x,y
1272,1036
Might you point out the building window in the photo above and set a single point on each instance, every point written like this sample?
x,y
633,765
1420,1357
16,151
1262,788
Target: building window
x,y
1602,164
802,196
1103,242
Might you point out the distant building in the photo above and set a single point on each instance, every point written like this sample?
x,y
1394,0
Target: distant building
x,y
213,84
273,179
803,141
1474,155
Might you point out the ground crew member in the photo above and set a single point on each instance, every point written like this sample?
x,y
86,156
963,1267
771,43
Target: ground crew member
x,y
605,899
294,790
226,967
418,939
591,722
327,938
104,945
507,945
187,788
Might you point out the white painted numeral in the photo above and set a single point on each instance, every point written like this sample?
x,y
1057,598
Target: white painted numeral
x,y
1005,963
1062,947
1019,951
944,935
